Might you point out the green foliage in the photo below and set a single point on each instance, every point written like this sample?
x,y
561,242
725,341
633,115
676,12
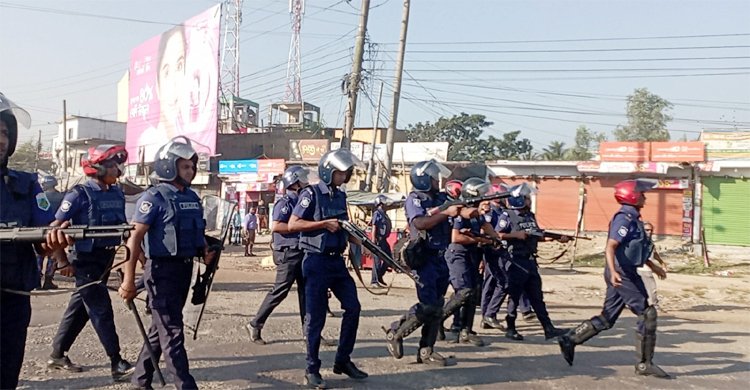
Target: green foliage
x,y
647,119
463,133
25,158
556,151
587,143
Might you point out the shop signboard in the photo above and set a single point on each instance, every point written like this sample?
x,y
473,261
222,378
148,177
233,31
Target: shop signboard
x,y
624,151
678,151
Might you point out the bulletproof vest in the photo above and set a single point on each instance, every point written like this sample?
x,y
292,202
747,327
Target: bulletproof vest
x,y
475,226
387,222
55,199
634,252
440,235
105,208
18,270
327,206
180,232
522,249
285,240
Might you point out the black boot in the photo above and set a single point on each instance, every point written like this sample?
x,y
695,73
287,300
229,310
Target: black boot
x,y
441,333
644,347
63,363
395,338
511,333
315,381
427,356
550,331
574,337
121,370
254,334
350,370
492,323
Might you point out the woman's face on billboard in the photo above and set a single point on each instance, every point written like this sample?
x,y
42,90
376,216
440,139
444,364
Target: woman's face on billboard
x,y
172,78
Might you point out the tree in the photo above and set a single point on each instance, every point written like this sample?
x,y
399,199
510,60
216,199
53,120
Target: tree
x,y
25,158
647,119
587,143
464,136
556,151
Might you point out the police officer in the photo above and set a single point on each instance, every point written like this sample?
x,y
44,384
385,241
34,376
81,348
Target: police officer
x,y
381,225
428,228
452,192
22,203
169,223
494,280
316,217
287,254
97,202
463,256
522,269
628,247
55,197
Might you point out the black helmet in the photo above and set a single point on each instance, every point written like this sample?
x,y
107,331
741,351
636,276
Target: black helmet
x,y
422,174
295,174
12,115
336,160
475,187
165,162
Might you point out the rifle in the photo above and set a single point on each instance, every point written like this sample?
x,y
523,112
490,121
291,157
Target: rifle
x,y
360,235
553,235
77,232
522,189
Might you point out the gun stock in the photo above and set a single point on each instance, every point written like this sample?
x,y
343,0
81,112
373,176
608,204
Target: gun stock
x,y
77,232
518,190
360,235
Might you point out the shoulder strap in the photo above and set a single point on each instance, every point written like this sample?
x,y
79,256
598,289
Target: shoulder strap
x,y
168,196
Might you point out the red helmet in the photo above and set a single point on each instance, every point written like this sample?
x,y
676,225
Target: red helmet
x,y
92,163
453,188
629,191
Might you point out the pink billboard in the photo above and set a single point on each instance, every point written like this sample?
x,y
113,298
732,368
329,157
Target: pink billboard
x,y
173,89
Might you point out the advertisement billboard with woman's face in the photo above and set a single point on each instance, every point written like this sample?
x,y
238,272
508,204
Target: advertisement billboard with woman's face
x,y
174,82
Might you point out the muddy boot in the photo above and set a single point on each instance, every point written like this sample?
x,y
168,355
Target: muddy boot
x,y
644,347
510,333
427,356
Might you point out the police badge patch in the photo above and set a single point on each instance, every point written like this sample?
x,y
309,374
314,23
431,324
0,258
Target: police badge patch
x,y
417,202
42,202
305,202
65,206
145,207
503,223
622,231
284,209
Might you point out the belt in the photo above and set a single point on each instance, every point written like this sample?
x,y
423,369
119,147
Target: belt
x,y
171,259
332,252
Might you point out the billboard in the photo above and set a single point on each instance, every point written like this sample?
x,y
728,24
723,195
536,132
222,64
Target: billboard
x,y
307,149
173,88
726,145
678,151
624,151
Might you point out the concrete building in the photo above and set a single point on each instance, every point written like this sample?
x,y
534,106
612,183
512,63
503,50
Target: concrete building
x,y
82,133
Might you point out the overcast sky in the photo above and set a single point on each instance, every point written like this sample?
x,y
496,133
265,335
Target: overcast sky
x,y
542,67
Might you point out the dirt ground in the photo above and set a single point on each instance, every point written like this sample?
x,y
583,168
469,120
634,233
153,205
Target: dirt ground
x,y
703,337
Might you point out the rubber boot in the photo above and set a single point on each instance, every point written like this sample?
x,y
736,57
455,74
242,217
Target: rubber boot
x,y
511,333
551,332
644,347
576,336
395,338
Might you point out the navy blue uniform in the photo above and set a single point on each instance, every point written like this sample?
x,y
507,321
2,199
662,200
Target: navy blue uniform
x,y
288,259
55,198
89,204
175,235
463,265
493,283
22,203
381,226
323,268
632,252
433,272
522,269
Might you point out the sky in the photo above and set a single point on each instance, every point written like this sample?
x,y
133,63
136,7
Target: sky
x,y
542,67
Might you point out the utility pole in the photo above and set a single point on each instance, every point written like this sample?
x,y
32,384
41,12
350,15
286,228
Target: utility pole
x,y
371,165
38,150
355,76
65,137
396,98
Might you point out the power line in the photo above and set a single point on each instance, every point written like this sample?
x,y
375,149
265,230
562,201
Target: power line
x,y
577,50
577,39
470,61
692,69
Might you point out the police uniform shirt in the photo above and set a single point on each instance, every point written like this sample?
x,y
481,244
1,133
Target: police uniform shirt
x,y
503,223
150,208
75,205
473,224
39,205
381,224
282,211
624,226
416,206
491,218
305,209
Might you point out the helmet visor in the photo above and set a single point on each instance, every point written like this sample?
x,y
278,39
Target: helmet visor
x,y
643,185
343,160
180,149
434,169
523,189
22,116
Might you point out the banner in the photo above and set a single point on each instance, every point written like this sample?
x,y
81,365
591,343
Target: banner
x,y
624,151
678,151
307,149
173,89
727,145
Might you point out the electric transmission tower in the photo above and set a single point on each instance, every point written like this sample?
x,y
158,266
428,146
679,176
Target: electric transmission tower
x,y
230,63
293,68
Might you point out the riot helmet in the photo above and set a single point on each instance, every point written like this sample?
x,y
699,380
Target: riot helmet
x,y
380,200
98,157
518,196
453,189
165,162
337,160
48,182
295,174
474,187
629,191
12,115
424,172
